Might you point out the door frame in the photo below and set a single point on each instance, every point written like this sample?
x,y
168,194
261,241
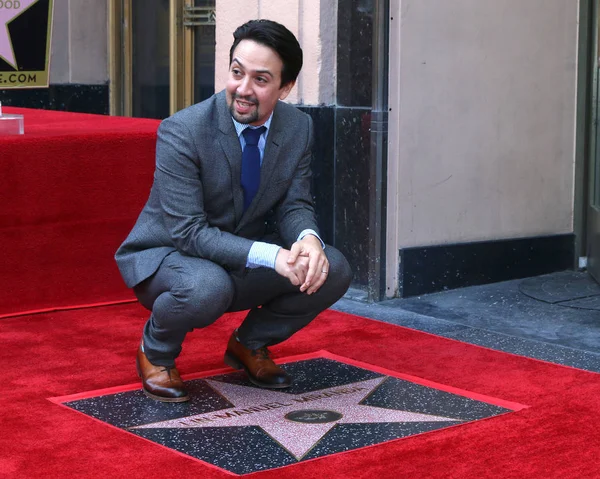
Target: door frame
x,y
392,277
120,49
585,141
592,222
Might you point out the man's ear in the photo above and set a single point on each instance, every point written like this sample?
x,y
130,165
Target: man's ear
x,y
286,89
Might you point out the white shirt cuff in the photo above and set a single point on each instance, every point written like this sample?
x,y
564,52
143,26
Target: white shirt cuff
x,y
303,233
262,255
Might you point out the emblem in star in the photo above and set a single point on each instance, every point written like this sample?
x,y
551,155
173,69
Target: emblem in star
x,y
8,12
296,422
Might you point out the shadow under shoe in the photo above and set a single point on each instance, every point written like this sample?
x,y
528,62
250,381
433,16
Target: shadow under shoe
x,y
257,363
159,382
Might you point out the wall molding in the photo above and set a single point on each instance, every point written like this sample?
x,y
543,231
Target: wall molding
x,y
429,269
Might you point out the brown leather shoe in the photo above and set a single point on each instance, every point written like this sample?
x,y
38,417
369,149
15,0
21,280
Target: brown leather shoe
x,y
159,382
259,367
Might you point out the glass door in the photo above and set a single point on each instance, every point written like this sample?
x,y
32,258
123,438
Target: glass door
x,y
162,55
150,85
199,22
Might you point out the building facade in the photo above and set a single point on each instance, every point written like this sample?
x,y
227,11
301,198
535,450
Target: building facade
x,y
455,141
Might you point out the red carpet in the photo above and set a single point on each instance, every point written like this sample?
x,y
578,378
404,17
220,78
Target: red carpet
x,y
64,353
72,187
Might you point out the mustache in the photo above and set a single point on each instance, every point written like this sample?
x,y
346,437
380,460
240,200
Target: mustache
x,y
248,99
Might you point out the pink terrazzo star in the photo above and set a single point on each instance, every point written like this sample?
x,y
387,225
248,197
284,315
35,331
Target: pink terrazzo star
x,y
7,15
268,410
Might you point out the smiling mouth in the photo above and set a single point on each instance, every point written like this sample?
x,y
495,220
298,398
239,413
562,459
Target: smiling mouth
x,y
245,103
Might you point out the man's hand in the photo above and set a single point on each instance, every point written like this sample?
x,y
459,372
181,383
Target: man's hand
x,y
318,266
294,271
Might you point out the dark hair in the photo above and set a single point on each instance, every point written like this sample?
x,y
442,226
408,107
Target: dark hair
x,y
277,37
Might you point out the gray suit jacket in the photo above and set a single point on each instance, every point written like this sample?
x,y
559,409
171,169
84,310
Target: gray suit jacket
x,y
196,202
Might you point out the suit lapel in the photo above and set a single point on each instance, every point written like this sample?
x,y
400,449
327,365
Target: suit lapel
x,y
233,151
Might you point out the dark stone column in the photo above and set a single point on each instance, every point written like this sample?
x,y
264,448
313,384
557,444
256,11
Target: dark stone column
x,y
352,129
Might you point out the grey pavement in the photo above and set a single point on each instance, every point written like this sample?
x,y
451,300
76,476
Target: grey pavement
x,y
554,317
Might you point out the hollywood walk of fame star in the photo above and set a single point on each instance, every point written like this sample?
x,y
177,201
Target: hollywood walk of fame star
x,y
297,422
7,15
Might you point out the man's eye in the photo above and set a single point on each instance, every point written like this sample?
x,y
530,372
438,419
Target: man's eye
x,y
261,80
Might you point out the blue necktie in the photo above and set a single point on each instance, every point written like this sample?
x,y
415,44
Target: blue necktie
x,y
251,164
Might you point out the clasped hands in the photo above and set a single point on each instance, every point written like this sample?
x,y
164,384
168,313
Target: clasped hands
x,y
304,264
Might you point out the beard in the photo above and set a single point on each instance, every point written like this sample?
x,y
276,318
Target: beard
x,y
247,118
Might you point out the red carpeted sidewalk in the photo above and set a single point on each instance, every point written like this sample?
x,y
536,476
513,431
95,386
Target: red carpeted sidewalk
x,y
72,187
65,353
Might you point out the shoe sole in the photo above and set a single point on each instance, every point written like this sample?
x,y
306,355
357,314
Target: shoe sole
x,y
154,396
235,363
164,399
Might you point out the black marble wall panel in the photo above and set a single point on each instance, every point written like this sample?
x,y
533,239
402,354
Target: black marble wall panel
x,y
435,268
354,52
352,128
351,216
68,97
323,186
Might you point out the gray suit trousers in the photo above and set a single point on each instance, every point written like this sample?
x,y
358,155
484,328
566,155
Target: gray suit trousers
x,y
187,293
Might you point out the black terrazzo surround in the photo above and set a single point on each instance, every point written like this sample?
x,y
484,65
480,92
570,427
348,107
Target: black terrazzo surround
x,y
243,450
